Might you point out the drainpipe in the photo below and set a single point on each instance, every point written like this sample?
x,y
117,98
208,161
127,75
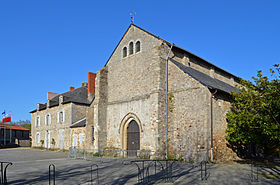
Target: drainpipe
x,y
166,102
212,118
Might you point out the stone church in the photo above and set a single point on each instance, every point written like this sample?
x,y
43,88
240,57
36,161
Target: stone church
x,y
127,109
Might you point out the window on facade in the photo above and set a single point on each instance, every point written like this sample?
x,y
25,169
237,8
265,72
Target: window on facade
x,y
48,119
60,99
137,47
37,121
124,52
92,133
60,116
130,48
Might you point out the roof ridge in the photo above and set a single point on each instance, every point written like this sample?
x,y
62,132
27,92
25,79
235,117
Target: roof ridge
x,y
67,92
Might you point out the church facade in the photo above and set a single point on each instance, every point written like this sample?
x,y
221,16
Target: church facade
x,y
128,110
130,98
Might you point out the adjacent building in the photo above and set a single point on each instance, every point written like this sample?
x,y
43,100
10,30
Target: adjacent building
x,y
60,122
13,135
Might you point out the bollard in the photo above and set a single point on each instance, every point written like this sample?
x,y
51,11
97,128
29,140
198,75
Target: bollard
x,y
203,169
97,176
53,170
254,172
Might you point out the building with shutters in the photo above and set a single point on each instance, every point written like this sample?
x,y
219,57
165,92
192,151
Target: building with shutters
x,y
60,123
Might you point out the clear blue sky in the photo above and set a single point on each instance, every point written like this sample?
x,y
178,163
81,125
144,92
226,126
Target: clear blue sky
x,y
50,45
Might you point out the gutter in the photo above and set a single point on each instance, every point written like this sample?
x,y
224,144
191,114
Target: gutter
x,y
211,121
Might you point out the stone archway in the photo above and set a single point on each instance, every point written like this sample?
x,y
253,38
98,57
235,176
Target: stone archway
x,y
124,128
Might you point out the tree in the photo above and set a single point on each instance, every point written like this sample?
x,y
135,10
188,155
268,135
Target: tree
x,y
255,115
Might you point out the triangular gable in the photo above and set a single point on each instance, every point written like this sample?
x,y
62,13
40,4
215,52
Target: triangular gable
x,y
125,36
174,46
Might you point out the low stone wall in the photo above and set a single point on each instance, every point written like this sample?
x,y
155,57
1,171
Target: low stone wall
x,y
25,143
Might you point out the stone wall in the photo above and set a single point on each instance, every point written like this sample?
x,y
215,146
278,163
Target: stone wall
x,y
221,105
188,108
194,106
130,87
204,67
79,132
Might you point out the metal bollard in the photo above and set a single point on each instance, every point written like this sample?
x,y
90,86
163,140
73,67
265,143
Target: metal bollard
x,y
254,172
97,176
203,169
53,170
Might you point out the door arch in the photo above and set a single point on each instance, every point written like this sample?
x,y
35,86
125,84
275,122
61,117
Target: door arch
x,y
133,138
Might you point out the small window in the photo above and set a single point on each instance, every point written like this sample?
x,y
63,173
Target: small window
x,y
48,119
37,121
130,48
92,133
60,99
60,116
137,47
124,52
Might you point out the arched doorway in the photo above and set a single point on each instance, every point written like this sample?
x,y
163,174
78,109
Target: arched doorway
x,y
133,138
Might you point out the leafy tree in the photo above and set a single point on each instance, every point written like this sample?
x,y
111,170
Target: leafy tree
x,y
27,126
255,115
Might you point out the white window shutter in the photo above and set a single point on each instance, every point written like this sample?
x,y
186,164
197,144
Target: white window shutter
x,y
39,138
39,124
50,119
46,120
57,117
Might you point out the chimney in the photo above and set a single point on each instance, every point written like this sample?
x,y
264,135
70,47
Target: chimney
x,y
51,95
72,88
84,84
91,85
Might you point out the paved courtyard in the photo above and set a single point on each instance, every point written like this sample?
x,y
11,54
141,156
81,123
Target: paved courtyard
x,y
30,166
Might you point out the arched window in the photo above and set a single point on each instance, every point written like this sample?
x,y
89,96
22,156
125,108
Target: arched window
x,y
124,52
130,48
137,46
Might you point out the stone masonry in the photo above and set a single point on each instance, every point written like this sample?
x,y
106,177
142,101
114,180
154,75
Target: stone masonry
x,y
131,88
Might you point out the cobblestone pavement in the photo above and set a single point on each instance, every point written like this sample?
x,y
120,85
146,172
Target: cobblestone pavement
x,y
30,166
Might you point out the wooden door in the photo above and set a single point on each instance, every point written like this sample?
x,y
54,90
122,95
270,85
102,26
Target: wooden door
x,y
133,138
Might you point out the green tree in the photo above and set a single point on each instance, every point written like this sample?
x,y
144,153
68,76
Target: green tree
x,y
27,126
255,115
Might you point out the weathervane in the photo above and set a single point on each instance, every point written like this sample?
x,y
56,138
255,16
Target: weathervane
x,y
132,15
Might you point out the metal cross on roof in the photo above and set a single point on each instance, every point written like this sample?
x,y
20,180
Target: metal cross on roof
x,y
132,15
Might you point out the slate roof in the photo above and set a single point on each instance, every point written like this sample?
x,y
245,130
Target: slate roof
x,y
80,123
204,79
79,96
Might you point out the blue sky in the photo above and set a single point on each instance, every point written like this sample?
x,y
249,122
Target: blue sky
x,y
50,45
